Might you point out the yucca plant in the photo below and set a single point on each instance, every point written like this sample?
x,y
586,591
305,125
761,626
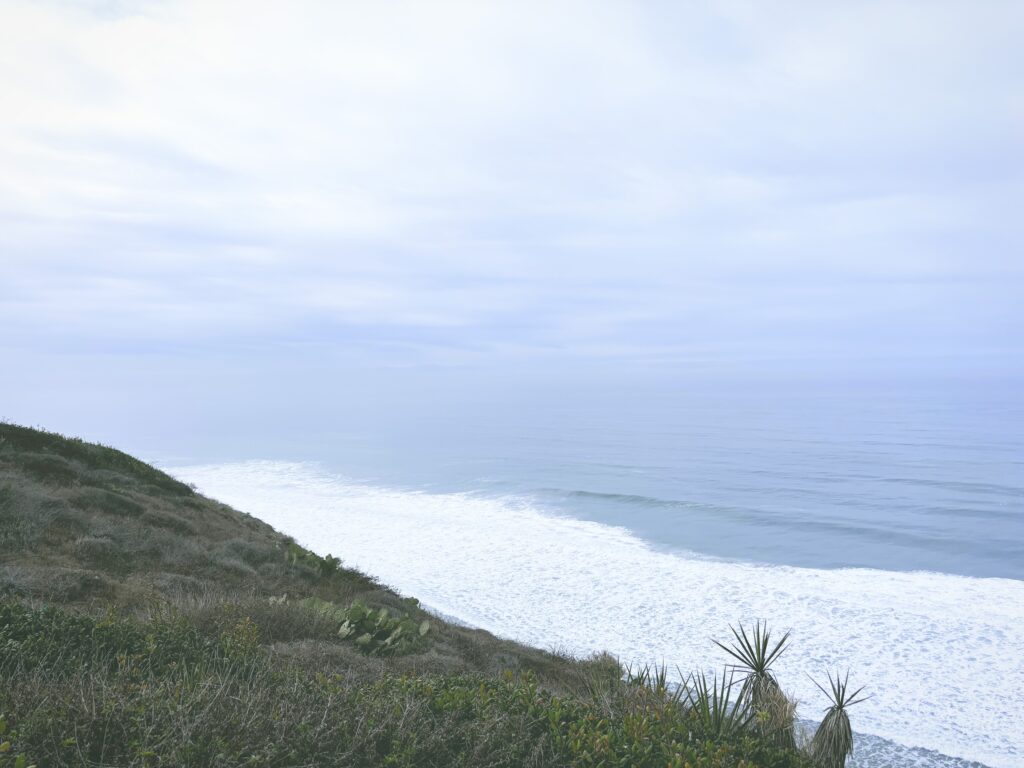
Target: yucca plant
x,y
833,740
713,706
656,679
772,709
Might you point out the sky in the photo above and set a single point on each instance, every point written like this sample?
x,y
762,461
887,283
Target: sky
x,y
202,195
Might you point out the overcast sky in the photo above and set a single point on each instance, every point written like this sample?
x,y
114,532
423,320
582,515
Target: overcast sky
x,y
486,184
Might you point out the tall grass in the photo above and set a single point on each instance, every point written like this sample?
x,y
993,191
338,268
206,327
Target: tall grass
x,y
78,690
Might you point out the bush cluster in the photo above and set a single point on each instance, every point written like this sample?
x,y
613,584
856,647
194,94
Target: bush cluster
x,y
82,690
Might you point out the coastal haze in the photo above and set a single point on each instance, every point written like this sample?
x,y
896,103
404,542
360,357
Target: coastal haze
x,y
600,326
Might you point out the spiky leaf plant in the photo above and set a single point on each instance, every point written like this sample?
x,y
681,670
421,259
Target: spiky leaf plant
x,y
833,740
713,706
772,709
656,679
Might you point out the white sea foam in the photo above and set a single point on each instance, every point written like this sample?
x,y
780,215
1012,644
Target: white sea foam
x,y
942,653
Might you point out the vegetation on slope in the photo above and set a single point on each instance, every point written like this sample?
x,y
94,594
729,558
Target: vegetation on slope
x,y
143,624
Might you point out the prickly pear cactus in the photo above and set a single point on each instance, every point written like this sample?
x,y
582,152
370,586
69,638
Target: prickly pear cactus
x,y
378,633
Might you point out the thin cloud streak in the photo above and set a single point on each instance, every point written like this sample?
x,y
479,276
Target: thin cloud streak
x,y
463,183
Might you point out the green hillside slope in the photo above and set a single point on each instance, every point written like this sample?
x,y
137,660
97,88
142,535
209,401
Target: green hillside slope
x,y
144,624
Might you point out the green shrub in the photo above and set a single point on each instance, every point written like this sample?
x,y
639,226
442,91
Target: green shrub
x,y
109,690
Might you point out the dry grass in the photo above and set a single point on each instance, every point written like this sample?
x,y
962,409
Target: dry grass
x,y
89,527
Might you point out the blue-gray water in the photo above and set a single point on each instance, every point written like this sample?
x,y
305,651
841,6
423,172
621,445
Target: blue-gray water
x,y
925,476
753,501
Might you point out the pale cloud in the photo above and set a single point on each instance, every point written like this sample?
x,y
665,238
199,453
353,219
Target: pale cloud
x,y
476,181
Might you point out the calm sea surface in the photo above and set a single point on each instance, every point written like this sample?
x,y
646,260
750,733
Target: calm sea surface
x,y
926,477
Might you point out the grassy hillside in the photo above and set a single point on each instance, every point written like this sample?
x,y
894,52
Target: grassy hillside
x,y
144,624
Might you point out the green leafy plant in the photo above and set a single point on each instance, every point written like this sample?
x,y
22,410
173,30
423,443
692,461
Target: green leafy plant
x,y
833,740
325,608
324,567
9,755
241,640
376,632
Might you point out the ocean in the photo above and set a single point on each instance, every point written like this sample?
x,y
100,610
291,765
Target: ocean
x,y
882,524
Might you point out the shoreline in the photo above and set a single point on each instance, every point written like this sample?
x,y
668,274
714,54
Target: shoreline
x,y
523,565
